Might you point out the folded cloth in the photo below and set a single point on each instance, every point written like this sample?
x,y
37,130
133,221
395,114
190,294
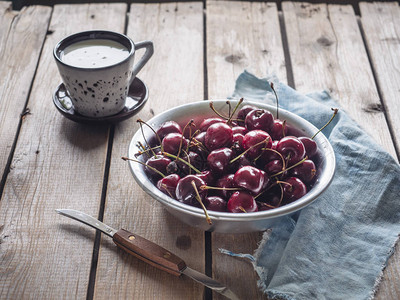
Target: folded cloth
x,y
337,247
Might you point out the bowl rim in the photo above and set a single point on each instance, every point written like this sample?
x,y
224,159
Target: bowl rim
x,y
325,178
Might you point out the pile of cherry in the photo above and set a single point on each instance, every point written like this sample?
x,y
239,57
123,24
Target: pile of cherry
x,y
244,162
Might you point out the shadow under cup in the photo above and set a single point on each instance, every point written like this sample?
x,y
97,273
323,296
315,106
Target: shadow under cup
x,y
97,91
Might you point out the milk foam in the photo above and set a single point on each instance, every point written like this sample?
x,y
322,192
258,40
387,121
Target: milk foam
x,y
94,53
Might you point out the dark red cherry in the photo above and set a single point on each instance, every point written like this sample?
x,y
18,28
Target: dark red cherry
x,y
168,127
310,145
254,137
172,142
159,163
218,135
186,193
168,184
207,176
193,159
291,148
200,137
238,142
225,182
241,162
293,189
172,168
305,171
273,167
270,199
197,145
242,113
215,203
279,129
251,179
259,119
269,155
239,129
208,122
242,202
218,160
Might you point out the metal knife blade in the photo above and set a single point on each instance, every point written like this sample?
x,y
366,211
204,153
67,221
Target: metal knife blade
x,y
210,283
88,220
148,252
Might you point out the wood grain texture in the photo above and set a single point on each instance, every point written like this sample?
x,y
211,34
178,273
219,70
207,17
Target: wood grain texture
x,y
381,23
7,16
21,37
323,58
251,39
174,76
319,46
57,164
241,35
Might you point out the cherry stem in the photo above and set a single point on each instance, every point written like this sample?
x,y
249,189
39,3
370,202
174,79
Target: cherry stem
x,y
195,133
277,152
146,151
243,153
267,189
335,111
182,160
291,167
234,110
188,160
206,187
198,143
183,132
218,114
146,165
140,121
282,158
229,109
192,137
242,209
166,188
140,145
208,219
266,204
283,182
277,101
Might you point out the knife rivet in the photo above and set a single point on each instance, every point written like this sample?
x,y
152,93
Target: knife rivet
x,y
131,237
167,255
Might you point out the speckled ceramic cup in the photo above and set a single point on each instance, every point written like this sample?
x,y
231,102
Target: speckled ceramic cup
x,y
97,68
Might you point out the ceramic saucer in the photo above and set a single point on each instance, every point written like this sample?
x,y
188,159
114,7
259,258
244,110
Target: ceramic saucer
x,y
137,97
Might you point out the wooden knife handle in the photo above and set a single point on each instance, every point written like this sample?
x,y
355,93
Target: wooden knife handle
x,y
149,252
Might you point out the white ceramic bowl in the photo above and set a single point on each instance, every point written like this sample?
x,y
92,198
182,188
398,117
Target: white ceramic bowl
x,y
223,221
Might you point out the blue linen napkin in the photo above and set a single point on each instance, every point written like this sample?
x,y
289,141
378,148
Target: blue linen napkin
x,y
337,247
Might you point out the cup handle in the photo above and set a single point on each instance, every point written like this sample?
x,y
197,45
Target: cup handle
x,y
144,59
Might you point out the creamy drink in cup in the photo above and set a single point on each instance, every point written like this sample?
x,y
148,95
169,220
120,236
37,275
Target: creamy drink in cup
x,y
97,68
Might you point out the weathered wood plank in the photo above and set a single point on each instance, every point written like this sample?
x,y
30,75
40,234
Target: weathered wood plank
x,y
7,16
174,76
21,37
251,39
381,23
57,164
326,44
323,58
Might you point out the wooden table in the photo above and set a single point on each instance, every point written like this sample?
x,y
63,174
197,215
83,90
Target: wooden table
x,y
49,162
